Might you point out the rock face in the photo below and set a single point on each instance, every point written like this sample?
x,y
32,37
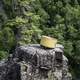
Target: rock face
x,y
34,62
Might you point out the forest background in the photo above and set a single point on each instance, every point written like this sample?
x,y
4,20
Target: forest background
x,y
25,21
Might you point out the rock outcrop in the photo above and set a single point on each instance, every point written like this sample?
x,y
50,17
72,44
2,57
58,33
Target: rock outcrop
x,y
34,62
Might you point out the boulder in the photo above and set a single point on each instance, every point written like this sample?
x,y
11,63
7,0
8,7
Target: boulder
x,y
34,62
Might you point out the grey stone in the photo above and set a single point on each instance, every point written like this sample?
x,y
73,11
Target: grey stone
x,y
34,62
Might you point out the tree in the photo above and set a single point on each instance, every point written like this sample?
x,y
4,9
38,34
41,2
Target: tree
x,y
24,21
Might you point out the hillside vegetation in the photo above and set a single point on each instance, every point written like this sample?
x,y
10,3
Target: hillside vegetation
x,y
24,21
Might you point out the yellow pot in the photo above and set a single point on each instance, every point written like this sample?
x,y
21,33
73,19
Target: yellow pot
x,y
48,42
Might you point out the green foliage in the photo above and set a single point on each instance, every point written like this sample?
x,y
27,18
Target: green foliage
x,y
7,39
26,20
3,54
16,22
